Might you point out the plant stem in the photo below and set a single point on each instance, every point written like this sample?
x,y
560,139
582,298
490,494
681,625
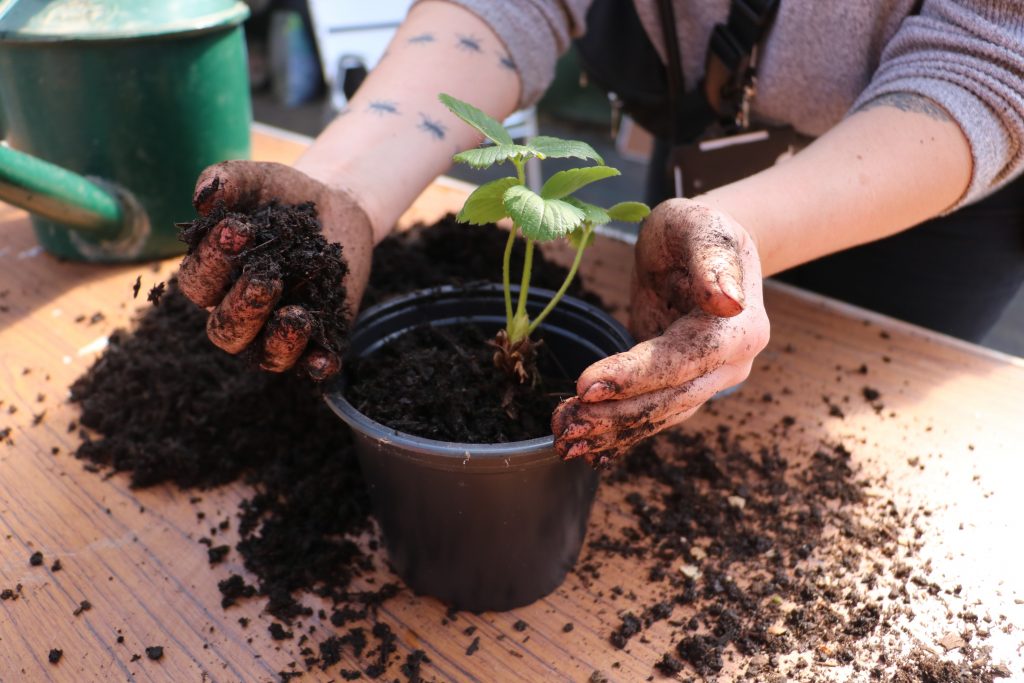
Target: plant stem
x,y
506,278
520,170
524,286
506,263
565,285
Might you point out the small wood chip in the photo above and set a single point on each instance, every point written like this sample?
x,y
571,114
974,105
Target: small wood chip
x,y
689,571
952,641
737,502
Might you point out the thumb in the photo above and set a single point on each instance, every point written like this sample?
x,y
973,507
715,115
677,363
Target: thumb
x,y
244,185
715,276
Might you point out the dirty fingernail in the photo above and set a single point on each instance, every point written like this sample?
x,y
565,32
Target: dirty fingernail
x,y
205,192
730,288
321,365
598,391
233,237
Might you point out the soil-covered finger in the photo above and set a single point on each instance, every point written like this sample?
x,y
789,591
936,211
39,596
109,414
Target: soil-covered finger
x,y
600,449
205,274
285,337
237,320
692,256
689,348
321,364
712,260
629,417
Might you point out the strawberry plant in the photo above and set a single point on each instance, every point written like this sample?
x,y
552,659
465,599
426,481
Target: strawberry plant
x,y
551,214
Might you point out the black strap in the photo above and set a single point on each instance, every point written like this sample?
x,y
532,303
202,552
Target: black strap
x,y
727,66
689,114
653,91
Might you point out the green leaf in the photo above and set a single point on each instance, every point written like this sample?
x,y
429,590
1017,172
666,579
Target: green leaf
x,y
629,212
592,213
492,129
577,237
482,157
566,182
541,219
485,205
556,148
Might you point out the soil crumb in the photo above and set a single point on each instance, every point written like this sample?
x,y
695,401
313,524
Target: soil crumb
x,y
785,561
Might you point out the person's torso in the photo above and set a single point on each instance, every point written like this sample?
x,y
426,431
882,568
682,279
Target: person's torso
x,y
818,57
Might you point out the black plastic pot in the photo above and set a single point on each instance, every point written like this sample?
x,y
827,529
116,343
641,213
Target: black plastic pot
x,y
479,526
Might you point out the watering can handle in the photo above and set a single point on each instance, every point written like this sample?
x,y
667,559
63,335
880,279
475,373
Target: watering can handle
x,y
60,195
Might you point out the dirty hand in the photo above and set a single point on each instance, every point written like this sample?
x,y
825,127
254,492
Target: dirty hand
x,y
697,301
247,312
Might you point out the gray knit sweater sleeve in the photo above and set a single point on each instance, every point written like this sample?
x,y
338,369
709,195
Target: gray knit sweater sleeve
x,y
535,33
968,57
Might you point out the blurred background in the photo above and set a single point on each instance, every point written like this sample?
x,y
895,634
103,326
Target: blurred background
x,y
307,57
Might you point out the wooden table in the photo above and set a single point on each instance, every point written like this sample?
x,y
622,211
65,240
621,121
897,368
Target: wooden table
x,y
959,407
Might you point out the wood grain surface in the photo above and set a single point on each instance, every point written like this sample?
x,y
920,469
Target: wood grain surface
x,y
133,554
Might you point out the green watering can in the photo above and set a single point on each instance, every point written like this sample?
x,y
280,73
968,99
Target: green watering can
x,y
110,110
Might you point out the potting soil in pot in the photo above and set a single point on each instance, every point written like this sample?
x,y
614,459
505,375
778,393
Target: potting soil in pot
x,y
441,383
718,532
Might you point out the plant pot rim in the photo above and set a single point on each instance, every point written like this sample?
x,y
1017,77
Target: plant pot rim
x,y
450,454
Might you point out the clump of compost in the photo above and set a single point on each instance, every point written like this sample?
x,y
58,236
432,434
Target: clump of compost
x,y
164,404
286,243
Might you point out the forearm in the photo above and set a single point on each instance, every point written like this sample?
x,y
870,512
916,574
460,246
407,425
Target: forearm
x,y
395,137
895,163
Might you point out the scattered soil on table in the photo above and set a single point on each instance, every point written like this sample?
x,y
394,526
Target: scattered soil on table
x,y
798,569
286,243
740,547
398,386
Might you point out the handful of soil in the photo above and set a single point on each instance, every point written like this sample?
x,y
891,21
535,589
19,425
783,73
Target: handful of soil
x,y
285,244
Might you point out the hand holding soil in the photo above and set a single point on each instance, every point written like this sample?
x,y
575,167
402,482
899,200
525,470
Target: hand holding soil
x,y
273,284
697,302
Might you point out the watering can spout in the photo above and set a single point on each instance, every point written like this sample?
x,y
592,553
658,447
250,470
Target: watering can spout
x,y
52,192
